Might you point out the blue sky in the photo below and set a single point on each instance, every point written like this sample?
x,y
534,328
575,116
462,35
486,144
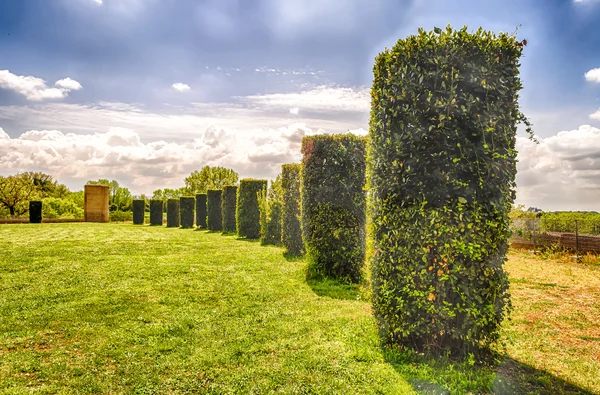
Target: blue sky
x,y
145,91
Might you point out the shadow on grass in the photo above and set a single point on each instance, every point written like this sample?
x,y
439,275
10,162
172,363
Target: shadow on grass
x,y
293,257
438,375
333,289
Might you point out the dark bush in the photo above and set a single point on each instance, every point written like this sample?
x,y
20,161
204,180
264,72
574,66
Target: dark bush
x,y
215,220
333,205
291,232
228,204
120,216
138,206
186,211
35,212
172,213
442,165
156,212
201,210
248,212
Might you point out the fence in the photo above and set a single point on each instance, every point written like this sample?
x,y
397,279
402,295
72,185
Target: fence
x,y
579,235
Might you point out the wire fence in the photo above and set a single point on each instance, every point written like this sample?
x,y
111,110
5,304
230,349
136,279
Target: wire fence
x,y
579,235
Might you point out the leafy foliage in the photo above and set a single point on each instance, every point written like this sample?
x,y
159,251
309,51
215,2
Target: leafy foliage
x,y
172,213
35,211
209,177
333,205
271,206
138,207
156,212
290,228
121,216
63,208
442,166
186,211
228,207
201,210
213,208
248,212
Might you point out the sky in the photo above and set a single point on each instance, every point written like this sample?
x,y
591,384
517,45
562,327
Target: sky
x,y
146,91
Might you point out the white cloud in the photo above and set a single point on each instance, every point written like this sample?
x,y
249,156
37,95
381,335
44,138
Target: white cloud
x,y
34,88
181,87
562,172
68,84
593,75
294,110
99,2
595,115
318,99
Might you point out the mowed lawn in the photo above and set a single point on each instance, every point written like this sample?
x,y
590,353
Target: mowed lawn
x,y
118,308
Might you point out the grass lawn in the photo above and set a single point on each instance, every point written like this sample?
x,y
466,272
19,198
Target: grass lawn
x,y
117,308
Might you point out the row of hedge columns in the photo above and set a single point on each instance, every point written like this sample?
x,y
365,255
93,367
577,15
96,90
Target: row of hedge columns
x,y
291,232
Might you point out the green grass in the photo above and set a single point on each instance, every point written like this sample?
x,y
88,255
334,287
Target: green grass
x,y
117,308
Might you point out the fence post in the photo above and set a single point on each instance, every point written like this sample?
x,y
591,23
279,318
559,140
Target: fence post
x,y
577,240
534,242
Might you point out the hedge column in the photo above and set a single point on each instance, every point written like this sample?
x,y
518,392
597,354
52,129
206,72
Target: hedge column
x,y
156,212
442,166
213,208
228,206
333,205
172,213
201,210
248,211
291,231
35,212
138,207
186,211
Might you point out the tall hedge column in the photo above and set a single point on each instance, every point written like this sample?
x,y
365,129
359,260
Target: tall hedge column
x,y
333,205
138,207
291,230
213,208
172,213
156,212
248,211
35,211
201,210
186,212
442,166
228,206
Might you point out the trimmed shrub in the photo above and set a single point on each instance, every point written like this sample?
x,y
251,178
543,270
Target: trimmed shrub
x,y
291,232
186,211
248,212
270,213
201,210
138,206
213,208
156,212
228,203
172,213
442,165
35,212
333,205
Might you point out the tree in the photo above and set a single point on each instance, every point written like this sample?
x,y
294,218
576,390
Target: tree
x,y
18,189
209,177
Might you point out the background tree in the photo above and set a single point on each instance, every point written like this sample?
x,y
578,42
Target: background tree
x,y
16,190
209,177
